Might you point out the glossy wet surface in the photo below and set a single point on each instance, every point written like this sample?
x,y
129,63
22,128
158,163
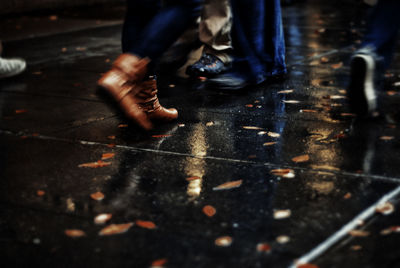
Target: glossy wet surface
x,y
53,120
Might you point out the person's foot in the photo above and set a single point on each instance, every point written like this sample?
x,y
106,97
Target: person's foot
x,y
362,88
208,65
228,81
11,67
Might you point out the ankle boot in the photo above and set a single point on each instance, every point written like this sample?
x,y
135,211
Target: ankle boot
x,y
121,83
148,101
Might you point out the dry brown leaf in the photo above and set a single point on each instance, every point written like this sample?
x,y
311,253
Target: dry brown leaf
x,y
391,229
158,263
193,178
20,111
112,137
286,173
285,91
347,196
282,214
283,239
391,93
356,247
385,208
273,134
358,233
171,85
35,134
209,124
262,133
228,185
263,247
53,17
337,97
64,49
122,125
324,59
291,101
251,128
113,229
74,233
40,193
161,136
301,158
146,224
224,241
325,167
111,145
337,65
209,210
102,218
97,164
81,48
107,156
269,143
308,111
307,265
386,138
98,196
249,105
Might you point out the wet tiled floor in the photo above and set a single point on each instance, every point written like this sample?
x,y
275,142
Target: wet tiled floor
x,y
53,120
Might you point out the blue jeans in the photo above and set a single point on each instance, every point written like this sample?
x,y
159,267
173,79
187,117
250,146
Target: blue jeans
x,y
382,30
257,38
150,27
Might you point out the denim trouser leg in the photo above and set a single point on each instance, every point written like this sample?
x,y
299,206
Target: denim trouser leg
x,y
383,27
150,28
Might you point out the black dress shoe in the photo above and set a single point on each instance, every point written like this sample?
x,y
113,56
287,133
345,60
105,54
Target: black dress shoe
x,y
208,65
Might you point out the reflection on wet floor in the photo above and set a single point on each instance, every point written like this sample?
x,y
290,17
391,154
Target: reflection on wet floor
x,y
251,179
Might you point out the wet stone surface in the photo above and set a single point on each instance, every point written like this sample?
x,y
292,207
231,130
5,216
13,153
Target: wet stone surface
x,y
298,166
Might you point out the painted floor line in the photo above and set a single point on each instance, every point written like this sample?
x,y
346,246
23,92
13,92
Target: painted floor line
x,y
333,239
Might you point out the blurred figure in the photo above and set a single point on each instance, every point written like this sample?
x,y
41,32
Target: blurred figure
x,y
150,28
214,32
10,67
374,56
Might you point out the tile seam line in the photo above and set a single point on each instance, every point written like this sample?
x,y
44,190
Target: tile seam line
x,y
342,232
266,164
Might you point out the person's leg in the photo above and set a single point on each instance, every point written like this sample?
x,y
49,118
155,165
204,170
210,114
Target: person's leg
x,y
10,67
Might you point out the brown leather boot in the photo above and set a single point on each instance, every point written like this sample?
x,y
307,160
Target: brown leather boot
x,y
121,82
148,101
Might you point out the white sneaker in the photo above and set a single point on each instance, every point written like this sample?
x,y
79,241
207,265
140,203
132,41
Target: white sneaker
x,y
11,67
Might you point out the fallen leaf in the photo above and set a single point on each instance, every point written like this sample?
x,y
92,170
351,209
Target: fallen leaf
x,y
269,143
251,128
324,59
161,136
115,229
391,93
122,125
146,224
111,137
301,158
291,101
285,91
202,78
347,196
386,138
53,18
181,125
111,145
391,229
209,210
98,196
337,65
282,214
35,134
308,111
171,86
356,247
228,185
107,156
97,164
262,133
273,134
224,241
358,233
64,49
325,167
342,91
74,233
348,114
307,265
102,218
286,173
340,136
263,247
158,263
385,208
40,193
81,48
337,97
283,239
249,105
20,111
193,178
209,124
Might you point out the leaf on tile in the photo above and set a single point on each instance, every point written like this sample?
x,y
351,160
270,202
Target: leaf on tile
x,y
251,128
269,143
306,265
111,145
40,193
98,196
146,224
285,173
386,138
158,263
356,247
228,185
282,214
263,247
97,164
209,210
283,239
20,111
123,125
209,124
102,218
113,229
308,111
301,158
287,91
161,136
359,233
326,167
273,134
347,196
324,59
385,208
291,101
107,156
74,233
224,241
337,65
